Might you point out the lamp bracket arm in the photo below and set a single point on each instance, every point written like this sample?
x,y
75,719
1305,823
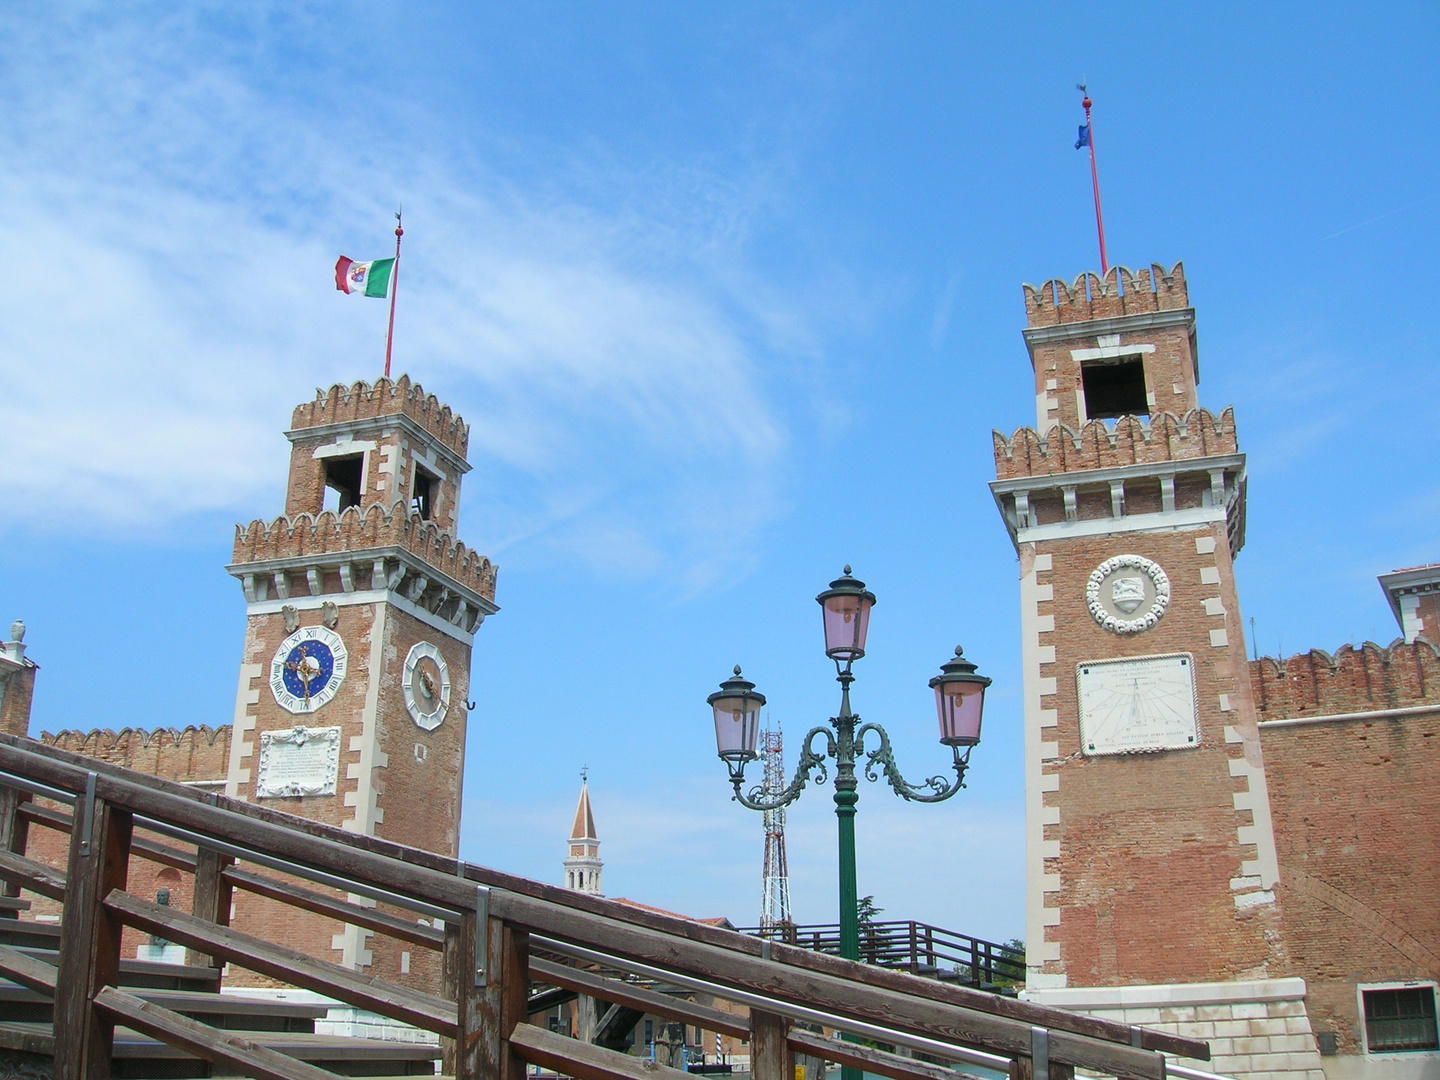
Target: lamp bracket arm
x,y
935,789
759,799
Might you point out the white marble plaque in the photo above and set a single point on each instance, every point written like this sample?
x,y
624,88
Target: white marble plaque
x,y
301,761
1137,705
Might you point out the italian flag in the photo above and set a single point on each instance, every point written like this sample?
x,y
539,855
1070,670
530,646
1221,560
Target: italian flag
x,y
364,278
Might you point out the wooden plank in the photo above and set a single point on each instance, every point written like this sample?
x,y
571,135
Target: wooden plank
x,y
90,945
28,971
510,969
37,877
770,1057
297,896
829,993
584,1061
246,1057
288,965
638,997
149,797
863,1057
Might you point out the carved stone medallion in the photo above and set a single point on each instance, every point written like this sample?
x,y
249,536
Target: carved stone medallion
x,y
1127,594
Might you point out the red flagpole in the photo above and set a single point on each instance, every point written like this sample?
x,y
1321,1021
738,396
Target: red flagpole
x,y
395,284
1095,182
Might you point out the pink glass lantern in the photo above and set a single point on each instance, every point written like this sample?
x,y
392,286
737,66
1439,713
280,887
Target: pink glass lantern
x,y
959,701
846,607
737,708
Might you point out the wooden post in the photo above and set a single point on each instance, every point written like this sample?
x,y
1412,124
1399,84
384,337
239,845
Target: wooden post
x,y
510,966
90,944
211,900
770,1057
14,834
475,1055
1021,1068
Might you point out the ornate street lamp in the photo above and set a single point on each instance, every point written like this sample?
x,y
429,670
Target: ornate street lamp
x,y
959,702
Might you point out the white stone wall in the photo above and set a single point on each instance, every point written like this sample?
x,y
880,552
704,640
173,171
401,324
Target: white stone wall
x,y
1257,1030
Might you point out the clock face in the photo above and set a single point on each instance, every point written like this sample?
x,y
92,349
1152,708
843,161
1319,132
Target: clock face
x,y
308,669
1138,705
426,684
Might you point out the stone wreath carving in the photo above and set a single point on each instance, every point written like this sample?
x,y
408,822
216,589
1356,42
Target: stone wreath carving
x,y
1113,596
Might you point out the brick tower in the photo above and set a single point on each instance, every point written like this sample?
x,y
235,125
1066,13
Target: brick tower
x,y
1150,854
361,609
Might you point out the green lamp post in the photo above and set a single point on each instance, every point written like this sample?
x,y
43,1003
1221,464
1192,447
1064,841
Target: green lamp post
x,y
959,701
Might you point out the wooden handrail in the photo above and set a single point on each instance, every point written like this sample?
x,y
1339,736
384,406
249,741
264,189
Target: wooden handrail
x,y
1027,1013
485,954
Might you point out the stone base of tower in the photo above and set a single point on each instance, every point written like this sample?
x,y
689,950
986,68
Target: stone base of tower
x,y
1257,1029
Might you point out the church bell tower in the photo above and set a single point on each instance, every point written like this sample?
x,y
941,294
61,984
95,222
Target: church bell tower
x,y
1150,854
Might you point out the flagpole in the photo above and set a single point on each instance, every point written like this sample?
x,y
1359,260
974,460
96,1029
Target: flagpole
x,y
395,284
1095,181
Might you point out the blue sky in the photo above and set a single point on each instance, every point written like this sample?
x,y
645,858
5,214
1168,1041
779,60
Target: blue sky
x,y
730,296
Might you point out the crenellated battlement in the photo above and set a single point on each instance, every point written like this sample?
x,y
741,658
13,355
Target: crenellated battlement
x,y
96,740
1131,441
384,397
352,532
1355,678
198,753
1119,292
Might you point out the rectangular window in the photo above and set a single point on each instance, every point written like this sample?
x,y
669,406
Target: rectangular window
x,y
1401,1019
343,480
1114,388
649,1032
423,498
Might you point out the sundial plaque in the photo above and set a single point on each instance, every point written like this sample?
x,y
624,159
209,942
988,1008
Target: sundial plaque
x,y
1138,704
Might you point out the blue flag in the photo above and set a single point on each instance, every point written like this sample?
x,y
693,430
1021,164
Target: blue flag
x,y
1084,139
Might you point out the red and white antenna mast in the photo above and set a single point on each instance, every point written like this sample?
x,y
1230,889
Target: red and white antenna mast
x,y
775,896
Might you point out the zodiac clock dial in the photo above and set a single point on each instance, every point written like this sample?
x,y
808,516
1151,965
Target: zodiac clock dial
x,y
426,684
1136,705
308,669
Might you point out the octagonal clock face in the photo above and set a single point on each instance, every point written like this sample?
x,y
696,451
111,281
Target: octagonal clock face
x,y
426,684
308,669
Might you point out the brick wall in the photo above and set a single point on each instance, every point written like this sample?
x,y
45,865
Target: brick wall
x,y
1355,805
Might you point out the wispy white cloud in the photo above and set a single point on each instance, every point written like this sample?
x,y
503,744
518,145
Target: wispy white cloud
x,y
176,199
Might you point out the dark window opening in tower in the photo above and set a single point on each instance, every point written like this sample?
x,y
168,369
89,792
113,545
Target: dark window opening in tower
x,y
344,476
422,499
1114,388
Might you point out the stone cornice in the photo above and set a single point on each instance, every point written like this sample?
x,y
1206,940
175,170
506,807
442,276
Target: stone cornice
x,y
1224,499
1115,324
361,425
391,569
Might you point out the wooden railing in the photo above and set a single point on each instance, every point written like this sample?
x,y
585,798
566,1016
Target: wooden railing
x,y
914,946
498,936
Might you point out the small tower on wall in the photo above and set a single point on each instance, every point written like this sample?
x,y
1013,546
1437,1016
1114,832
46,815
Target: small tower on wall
x,y
1150,853
361,612
583,865
17,682
1414,595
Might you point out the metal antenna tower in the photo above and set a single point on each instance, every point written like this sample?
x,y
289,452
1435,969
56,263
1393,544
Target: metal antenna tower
x,y
775,896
